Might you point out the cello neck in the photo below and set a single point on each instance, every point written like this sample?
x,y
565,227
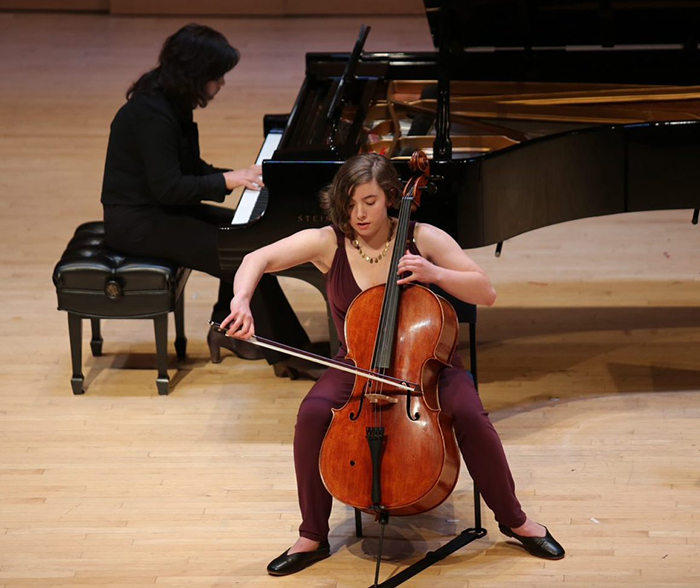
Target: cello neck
x,y
390,306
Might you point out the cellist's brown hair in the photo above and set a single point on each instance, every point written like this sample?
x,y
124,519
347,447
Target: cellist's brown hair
x,y
358,170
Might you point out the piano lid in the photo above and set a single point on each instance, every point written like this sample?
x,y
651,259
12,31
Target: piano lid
x,y
559,23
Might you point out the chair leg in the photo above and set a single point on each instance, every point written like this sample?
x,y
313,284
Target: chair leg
x,y
477,509
472,353
96,341
75,334
180,339
160,324
358,522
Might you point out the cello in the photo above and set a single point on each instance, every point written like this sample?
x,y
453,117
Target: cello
x,y
390,450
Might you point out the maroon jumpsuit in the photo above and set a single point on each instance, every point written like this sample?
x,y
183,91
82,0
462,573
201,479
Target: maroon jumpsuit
x,y
477,439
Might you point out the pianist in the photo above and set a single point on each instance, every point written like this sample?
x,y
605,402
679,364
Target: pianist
x,y
357,202
155,181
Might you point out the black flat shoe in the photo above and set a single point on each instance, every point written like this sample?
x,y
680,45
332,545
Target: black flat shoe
x,y
287,564
242,349
545,547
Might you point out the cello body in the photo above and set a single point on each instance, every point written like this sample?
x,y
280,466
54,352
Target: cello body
x,y
419,461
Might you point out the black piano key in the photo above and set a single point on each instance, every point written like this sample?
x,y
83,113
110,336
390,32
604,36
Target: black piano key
x,y
260,205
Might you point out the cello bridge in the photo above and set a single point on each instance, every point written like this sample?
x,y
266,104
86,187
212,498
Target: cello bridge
x,y
381,398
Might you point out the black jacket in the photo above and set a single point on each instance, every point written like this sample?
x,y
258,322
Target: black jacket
x,y
153,158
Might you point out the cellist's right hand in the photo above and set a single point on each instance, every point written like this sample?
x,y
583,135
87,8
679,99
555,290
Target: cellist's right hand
x,y
239,323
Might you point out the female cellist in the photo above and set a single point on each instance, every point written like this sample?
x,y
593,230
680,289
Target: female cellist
x,y
352,253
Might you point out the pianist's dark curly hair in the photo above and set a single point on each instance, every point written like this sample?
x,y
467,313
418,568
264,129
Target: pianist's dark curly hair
x,y
358,170
189,59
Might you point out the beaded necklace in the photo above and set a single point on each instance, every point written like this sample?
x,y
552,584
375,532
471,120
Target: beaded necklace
x,y
368,258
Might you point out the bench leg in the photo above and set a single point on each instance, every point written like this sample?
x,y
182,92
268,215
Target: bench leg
x,y
96,341
160,323
180,339
75,334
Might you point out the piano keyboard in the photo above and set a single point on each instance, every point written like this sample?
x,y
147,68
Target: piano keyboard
x,y
253,203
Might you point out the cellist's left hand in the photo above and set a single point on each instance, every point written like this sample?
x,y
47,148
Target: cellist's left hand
x,y
421,269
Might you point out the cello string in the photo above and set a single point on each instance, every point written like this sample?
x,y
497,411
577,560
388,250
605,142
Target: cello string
x,y
392,294
389,313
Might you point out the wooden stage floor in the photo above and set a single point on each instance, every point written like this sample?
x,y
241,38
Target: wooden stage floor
x,y
589,364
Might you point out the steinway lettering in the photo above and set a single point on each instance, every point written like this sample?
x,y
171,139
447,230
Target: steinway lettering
x,y
312,218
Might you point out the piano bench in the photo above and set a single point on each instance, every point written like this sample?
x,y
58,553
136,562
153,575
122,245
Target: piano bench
x,y
95,283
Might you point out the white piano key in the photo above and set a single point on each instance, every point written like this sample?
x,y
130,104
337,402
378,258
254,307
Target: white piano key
x,y
250,197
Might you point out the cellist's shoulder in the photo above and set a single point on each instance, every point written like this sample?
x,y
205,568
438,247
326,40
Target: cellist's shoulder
x,y
326,242
315,241
327,237
430,239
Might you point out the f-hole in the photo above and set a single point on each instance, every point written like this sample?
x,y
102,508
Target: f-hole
x,y
353,416
412,417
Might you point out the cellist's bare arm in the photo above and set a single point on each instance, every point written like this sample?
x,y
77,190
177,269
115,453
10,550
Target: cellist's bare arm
x,y
312,245
448,266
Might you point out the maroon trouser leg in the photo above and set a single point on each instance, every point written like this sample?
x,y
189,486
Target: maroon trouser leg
x,y
477,439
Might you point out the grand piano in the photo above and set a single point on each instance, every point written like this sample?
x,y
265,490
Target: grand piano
x,y
533,112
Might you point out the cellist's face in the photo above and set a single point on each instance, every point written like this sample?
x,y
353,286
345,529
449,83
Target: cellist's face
x,y
368,210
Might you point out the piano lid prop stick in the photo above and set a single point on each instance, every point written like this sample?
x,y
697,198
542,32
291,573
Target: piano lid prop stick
x,y
333,115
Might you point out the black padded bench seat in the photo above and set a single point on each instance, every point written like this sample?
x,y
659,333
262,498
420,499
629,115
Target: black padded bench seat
x,y
95,282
